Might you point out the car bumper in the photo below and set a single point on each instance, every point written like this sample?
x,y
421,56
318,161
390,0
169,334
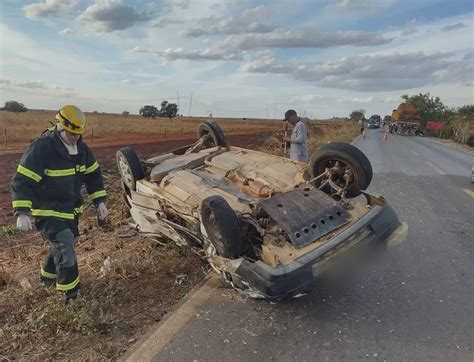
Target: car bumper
x,y
379,225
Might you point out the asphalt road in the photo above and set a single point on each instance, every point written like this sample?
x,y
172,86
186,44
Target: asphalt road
x,y
414,303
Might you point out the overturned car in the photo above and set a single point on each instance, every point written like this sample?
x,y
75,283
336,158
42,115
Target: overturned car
x,y
267,224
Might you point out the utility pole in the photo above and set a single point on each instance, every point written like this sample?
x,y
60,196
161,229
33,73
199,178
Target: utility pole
x,y
177,93
190,104
266,108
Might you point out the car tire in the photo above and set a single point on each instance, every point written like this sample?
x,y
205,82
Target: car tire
x,y
349,155
126,192
129,166
215,131
222,227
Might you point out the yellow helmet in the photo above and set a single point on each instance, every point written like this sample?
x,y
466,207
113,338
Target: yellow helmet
x,y
71,119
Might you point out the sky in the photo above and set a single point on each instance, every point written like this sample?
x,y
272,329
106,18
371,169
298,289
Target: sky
x,y
236,58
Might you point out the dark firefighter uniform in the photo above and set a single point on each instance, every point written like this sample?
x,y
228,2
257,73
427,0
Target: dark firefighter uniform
x,y
47,185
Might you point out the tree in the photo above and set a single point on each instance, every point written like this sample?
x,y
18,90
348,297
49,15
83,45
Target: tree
x,y
149,111
429,108
466,111
357,115
125,113
169,110
14,106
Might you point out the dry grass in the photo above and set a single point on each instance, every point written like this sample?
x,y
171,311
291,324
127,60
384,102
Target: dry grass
x,y
318,133
25,126
113,310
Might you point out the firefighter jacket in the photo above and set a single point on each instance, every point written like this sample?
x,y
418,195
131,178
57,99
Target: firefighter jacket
x,y
48,181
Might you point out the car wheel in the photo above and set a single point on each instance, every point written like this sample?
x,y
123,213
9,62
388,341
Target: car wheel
x,y
130,167
126,192
215,132
222,227
342,158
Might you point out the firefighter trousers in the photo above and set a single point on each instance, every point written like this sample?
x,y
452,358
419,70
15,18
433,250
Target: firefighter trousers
x,y
60,265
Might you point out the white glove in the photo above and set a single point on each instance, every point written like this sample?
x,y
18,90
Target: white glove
x,y
102,211
23,222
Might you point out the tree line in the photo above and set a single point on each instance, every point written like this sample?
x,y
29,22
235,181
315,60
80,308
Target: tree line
x,y
168,110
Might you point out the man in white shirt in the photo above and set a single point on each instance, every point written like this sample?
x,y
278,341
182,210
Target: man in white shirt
x,y
299,137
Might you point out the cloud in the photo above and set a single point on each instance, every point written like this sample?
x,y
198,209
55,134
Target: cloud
x,y
127,81
172,54
31,84
385,72
410,28
362,99
302,38
48,8
112,15
226,26
256,12
66,32
306,98
165,21
183,4
357,5
453,27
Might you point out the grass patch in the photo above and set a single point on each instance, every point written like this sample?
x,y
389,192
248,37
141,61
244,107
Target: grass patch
x,y
8,230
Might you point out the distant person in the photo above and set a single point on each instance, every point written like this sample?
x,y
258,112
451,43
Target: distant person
x,y
299,137
47,186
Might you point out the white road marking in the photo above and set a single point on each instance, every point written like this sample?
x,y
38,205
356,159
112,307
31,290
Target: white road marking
x,y
469,192
436,168
150,345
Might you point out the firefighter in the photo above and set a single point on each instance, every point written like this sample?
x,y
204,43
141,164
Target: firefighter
x,y
47,186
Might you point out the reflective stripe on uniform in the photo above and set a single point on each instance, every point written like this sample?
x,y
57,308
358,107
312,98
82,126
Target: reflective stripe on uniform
x,y
45,274
60,173
52,213
91,168
28,173
21,203
79,210
66,287
98,194
80,168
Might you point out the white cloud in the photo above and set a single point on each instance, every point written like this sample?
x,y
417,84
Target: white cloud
x,y
66,32
372,72
183,4
362,99
36,84
127,81
256,12
306,98
302,38
171,54
453,27
226,26
31,84
48,8
112,15
359,5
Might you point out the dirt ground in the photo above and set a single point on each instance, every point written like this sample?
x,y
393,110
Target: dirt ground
x,y
145,278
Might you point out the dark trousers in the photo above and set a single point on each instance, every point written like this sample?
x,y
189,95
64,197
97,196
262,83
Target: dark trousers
x,y
60,265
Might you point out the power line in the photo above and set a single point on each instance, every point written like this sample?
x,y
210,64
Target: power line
x,y
190,104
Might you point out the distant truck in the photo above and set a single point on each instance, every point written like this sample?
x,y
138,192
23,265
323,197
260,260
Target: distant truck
x,y
405,121
374,121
